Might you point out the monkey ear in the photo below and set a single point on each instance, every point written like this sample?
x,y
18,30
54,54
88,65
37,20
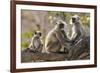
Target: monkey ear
x,y
35,32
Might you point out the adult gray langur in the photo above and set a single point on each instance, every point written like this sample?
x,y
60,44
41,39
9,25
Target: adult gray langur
x,y
77,36
55,39
77,30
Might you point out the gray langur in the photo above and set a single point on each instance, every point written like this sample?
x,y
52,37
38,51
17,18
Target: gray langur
x,y
77,37
55,39
36,44
77,30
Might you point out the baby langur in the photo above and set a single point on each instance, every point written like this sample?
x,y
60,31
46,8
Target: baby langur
x,y
36,44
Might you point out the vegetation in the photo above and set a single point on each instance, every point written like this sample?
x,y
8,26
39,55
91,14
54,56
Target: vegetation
x,y
24,44
27,35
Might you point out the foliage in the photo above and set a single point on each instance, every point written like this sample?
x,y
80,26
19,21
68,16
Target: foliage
x,y
24,44
27,35
66,16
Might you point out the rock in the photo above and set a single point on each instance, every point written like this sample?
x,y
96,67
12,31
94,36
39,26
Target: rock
x,y
81,51
38,56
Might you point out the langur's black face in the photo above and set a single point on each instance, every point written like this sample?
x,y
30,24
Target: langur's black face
x,y
61,25
73,19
